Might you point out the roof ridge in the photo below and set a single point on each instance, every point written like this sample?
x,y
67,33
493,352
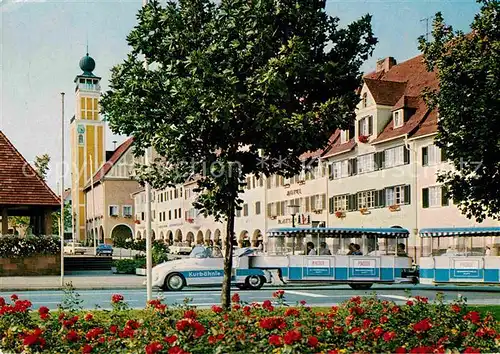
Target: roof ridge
x,y
9,143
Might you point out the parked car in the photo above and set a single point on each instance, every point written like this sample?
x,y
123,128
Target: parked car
x,y
180,248
104,250
77,248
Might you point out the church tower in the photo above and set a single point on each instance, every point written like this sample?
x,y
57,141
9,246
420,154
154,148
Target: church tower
x,y
86,139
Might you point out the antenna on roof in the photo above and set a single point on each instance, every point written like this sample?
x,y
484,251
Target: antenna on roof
x,y
427,32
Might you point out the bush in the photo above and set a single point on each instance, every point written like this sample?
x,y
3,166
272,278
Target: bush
x,y
17,247
126,266
360,325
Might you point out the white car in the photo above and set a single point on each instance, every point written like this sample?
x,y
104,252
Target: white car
x,y
78,248
205,266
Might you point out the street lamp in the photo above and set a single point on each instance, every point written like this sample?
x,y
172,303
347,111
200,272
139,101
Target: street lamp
x,y
294,211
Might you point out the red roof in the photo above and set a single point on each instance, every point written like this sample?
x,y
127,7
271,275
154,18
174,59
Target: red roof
x,y
416,78
117,154
19,182
385,92
337,147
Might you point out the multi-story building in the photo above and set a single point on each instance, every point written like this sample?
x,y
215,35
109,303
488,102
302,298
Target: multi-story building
x,y
101,186
381,172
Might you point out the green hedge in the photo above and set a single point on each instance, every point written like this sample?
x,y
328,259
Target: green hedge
x,y
18,247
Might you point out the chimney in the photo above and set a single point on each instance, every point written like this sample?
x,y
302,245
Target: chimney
x,y
385,64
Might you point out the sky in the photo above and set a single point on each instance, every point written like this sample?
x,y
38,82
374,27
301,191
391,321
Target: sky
x,y
42,42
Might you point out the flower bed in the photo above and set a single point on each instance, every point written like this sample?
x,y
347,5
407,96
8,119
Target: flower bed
x,y
20,247
360,325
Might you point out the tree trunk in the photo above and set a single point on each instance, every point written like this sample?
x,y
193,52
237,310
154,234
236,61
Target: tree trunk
x,y
228,258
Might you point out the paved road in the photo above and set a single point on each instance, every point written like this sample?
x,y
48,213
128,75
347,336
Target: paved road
x,y
206,297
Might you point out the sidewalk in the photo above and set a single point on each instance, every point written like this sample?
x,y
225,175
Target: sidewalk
x,y
80,281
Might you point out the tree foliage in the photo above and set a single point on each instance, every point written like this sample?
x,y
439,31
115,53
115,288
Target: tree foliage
x,y
468,97
42,165
235,88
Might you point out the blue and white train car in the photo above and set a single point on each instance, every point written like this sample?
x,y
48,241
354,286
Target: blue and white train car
x,y
459,256
380,261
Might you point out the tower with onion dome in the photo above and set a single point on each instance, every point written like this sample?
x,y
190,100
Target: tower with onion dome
x,y
87,142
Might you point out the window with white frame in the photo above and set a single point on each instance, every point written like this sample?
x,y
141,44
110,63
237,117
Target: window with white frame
x,y
435,196
113,210
340,203
127,211
364,126
434,154
366,199
366,163
397,118
318,201
395,195
344,136
394,157
340,169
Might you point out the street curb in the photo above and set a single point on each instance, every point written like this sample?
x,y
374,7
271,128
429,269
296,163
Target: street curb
x,y
76,288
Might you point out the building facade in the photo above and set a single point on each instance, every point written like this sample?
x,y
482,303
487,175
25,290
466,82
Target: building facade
x,y
102,184
382,172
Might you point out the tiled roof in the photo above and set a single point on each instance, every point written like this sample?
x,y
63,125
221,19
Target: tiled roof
x,y
337,147
385,92
122,149
319,152
414,73
19,182
428,125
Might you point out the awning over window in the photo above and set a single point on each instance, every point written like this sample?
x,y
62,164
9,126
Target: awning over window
x,y
338,232
460,231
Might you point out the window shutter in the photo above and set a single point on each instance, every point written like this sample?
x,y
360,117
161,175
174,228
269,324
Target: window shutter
x,y
308,204
425,197
359,127
349,203
444,196
352,167
312,200
354,202
330,205
425,156
370,125
406,155
330,171
444,158
268,181
323,202
351,132
407,194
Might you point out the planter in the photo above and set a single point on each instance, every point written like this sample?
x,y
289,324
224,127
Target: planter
x,y
33,265
340,214
140,271
364,211
394,208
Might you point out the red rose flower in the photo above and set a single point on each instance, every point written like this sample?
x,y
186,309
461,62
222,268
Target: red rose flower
x,y
409,303
422,350
176,350
275,340
302,302
87,349
292,336
170,339
384,319
473,316
216,309
456,308
292,312
471,350
88,317
422,299
400,350
235,298
113,328
279,294
2,301
366,323
312,341
266,305
378,331
333,351
271,323
190,314
153,348
14,297
388,336
423,325
116,298
43,309
72,336
132,324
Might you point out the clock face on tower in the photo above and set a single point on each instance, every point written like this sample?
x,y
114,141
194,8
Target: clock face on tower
x,y
81,129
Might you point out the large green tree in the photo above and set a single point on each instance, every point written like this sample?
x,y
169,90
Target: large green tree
x,y
468,100
235,88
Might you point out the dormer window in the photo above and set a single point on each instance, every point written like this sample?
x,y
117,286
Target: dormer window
x,y
365,126
364,102
344,136
397,117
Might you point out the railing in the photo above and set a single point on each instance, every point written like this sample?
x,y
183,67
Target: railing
x,y
88,87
